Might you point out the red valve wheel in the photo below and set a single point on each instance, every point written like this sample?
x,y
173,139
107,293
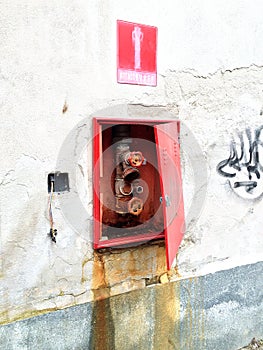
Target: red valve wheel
x,y
135,159
135,206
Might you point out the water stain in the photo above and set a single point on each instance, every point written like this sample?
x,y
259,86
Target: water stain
x,y
102,335
193,322
167,317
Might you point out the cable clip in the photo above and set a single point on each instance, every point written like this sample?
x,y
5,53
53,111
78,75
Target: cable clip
x,y
52,232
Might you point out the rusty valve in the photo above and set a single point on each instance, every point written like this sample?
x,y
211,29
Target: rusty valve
x,y
135,206
134,158
127,163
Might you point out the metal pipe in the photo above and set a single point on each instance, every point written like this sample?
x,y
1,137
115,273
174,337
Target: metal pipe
x,y
126,171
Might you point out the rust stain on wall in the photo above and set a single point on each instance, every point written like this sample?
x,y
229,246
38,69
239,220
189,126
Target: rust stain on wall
x,y
124,270
99,286
111,269
167,317
102,335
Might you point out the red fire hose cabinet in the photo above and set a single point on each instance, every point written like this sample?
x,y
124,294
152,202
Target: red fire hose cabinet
x,y
137,183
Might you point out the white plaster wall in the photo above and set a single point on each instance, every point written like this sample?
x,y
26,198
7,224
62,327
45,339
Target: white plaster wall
x,y
51,53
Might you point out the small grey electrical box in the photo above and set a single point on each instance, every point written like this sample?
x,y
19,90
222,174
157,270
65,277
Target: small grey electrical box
x,y
60,182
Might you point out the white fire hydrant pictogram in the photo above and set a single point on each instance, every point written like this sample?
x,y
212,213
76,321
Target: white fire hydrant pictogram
x,y
137,38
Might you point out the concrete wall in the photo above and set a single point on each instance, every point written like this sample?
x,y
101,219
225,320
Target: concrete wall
x,y
58,68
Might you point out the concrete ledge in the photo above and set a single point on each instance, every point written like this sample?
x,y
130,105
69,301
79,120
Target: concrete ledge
x,y
220,311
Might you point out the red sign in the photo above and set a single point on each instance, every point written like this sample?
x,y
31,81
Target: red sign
x,y
136,53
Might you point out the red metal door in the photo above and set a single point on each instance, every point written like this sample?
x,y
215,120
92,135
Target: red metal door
x,y
168,154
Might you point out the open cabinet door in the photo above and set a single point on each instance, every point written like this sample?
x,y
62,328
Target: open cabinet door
x,y
168,154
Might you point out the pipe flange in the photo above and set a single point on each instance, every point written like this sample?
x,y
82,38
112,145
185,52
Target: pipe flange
x,y
126,189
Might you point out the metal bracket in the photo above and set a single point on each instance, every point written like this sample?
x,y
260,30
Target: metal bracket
x,y
167,200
